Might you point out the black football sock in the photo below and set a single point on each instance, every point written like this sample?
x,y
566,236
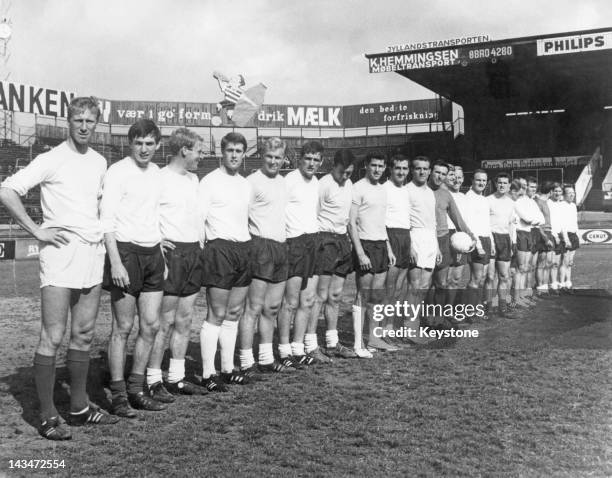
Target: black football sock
x,y
135,383
77,362
44,378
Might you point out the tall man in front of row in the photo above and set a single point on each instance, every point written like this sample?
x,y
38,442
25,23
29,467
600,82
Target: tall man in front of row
x,y
223,198
134,268
71,260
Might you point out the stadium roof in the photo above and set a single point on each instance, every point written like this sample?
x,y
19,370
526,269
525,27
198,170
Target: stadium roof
x,y
536,73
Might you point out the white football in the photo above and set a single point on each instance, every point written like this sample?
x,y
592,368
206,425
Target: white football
x,y
461,242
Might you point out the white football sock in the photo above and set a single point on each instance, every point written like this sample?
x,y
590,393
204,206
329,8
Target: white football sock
x,y
266,354
297,349
284,350
209,337
154,375
357,326
227,343
246,358
310,342
331,339
176,370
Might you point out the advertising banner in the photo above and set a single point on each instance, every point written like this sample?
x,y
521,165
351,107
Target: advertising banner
x,y
7,250
560,162
26,249
35,100
419,60
397,112
595,236
574,44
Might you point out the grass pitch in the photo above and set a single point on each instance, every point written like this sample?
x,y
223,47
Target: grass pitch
x,y
529,397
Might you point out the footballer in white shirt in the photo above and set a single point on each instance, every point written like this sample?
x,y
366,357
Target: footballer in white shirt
x,y
334,260
179,227
223,200
300,290
71,260
269,264
134,269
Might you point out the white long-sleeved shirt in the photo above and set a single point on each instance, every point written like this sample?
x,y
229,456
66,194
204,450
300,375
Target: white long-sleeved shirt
x,y
70,189
422,207
528,212
570,216
267,206
501,213
459,199
477,217
302,204
130,202
398,206
334,204
178,216
557,221
223,202
371,200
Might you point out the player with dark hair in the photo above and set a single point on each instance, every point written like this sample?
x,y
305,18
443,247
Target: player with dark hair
x,y
134,267
527,237
424,250
333,257
556,206
301,227
445,208
501,214
571,226
546,242
454,181
477,218
223,200
179,226
269,265
71,261
372,251
397,223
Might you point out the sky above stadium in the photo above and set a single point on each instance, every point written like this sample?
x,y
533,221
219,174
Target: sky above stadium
x,y
305,52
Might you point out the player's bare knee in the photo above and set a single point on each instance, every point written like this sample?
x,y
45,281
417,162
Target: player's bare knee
x,y
234,313
50,340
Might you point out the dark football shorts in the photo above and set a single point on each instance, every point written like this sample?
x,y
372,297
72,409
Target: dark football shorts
x,y
399,239
484,259
524,241
269,261
574,242
225,264
379,257
333,255
301,254
559,246
458,259
184,269
535,240
503,247
542,246
445,251
144,265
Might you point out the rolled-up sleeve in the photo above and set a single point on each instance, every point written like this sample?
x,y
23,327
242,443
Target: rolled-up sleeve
x,y
32,175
